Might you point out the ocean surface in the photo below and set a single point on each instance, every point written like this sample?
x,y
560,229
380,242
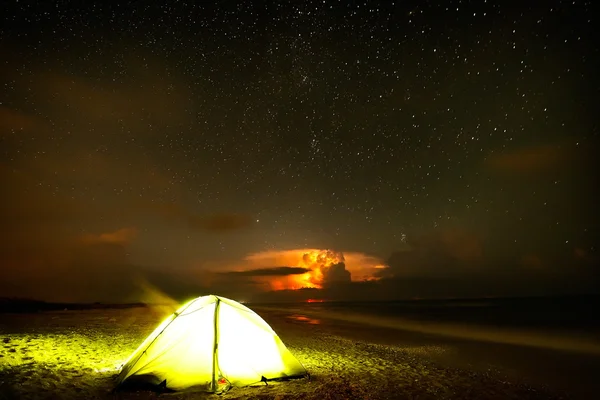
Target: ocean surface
x,y
551,342
568,312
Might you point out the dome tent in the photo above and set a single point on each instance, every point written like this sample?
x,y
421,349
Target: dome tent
x,y
211,343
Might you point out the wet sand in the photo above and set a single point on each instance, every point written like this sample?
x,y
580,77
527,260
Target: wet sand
x,y
75,355
562,362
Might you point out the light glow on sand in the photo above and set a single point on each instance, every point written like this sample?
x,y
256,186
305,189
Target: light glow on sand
x,y
108,369
97,340
62,352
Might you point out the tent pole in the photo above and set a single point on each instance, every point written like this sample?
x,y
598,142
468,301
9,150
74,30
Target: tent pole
x,y
215,364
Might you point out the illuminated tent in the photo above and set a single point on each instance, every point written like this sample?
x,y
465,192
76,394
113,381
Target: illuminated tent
x,y
211,343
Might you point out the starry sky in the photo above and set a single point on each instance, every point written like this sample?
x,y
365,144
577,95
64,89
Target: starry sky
x,y
286,150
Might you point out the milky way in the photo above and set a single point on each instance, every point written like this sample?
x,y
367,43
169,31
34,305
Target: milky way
x,y
445,139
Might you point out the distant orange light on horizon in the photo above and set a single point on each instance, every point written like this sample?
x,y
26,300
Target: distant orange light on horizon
x,y
361,266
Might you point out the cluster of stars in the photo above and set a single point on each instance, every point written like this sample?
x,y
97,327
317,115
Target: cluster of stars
x,y
322,117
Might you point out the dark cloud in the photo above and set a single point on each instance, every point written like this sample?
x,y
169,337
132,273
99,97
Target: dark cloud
x,y
56,246
217,223
531,260
52,190
45,254
68,268
475,284
88,114
439,252
220,222
144,97
546,157
274,271
335,274
13,121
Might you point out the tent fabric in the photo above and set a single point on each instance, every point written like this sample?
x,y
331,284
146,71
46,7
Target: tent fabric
x,y
211,343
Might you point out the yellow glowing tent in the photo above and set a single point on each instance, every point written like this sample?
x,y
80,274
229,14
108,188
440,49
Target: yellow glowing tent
x,y
211,343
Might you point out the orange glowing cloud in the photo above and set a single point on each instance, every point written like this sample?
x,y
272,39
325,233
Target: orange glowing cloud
x,y
321,266
121,236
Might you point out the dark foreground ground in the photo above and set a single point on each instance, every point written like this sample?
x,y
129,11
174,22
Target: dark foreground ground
x,y
75,355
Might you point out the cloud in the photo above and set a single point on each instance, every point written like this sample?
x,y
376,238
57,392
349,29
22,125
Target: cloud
x,y
362,266
149,98
530,159
43,252
26,205
220,222
68,268
329,267
531,260
313,268
84,115
323,267
216,223
474,284
460,244
439,252
442,263
52,265
13,121
122,236
42,189
274,271
334,274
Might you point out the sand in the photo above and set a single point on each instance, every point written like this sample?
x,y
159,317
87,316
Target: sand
x,y
76,355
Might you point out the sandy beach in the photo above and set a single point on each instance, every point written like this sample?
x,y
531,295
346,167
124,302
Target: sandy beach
x,y
76,354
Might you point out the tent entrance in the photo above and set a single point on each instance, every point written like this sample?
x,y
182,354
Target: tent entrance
x,y
219,383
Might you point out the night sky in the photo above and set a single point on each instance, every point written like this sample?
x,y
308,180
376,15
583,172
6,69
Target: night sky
x,y
364,150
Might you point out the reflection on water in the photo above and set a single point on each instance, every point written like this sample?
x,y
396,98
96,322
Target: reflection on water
x,y
304,319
